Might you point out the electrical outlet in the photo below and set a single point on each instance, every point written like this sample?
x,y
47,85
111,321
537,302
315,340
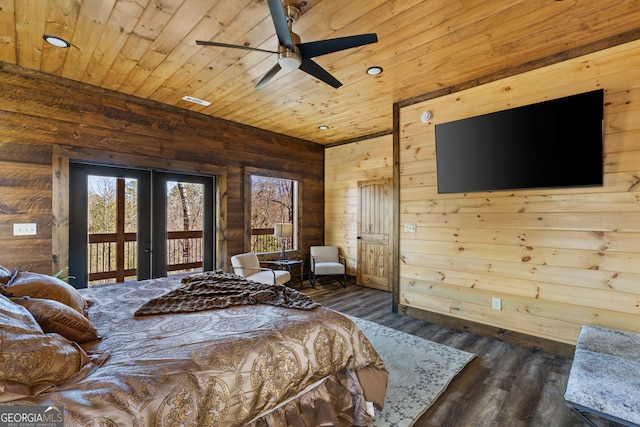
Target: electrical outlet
x,y
409,228
24,229
496,303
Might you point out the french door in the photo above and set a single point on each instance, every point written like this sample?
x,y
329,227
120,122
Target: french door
x,y
183,233
137,224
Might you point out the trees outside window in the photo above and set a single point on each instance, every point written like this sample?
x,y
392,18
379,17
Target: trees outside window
x,y
185,207
112,222
104,219
273,200
102,204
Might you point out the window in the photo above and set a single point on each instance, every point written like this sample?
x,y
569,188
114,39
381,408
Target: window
x,y
273,201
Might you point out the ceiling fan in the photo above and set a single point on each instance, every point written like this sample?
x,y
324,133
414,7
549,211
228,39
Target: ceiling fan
x,y
292,54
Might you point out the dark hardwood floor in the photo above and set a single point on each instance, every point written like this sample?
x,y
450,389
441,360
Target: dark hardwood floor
x,y
505,385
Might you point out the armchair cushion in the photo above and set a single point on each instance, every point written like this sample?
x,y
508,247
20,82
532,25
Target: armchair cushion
x,y
245,264
325,253
326,261
248,266
328,268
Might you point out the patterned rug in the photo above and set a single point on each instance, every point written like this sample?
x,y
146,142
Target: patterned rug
x,y
419,371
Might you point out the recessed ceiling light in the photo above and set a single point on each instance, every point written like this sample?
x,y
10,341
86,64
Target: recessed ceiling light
x,y
323,127
196,100
374,71
56,41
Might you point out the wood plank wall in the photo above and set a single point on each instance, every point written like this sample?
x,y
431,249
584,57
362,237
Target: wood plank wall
x,y
558,258
39,111
345,165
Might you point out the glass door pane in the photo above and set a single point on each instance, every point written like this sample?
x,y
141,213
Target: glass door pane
x,y
185,225
109,224
112,217
183,218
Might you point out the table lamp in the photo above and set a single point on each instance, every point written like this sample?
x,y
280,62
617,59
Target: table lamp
x,y
283,231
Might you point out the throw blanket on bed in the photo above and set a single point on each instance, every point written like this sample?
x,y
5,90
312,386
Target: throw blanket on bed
x,y
217,289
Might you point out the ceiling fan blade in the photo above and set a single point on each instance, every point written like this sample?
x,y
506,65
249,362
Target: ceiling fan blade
x,y
234,46
323,47
311,67
267,77
281,23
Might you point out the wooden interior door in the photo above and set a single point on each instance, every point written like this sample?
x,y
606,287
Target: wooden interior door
x,y
374,233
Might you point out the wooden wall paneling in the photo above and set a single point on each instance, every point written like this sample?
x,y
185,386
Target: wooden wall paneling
x,y
25,197
558,258
60,211
222,224
48,120
547,328
345,165
7,32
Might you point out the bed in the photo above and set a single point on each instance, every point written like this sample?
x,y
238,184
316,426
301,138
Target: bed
x,y
148,355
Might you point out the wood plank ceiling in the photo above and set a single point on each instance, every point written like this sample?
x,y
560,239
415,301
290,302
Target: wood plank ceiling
x,y
147,48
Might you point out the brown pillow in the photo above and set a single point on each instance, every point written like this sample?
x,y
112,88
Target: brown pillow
x,y
16,318
5,275
31,357
43,359
36,285
54,316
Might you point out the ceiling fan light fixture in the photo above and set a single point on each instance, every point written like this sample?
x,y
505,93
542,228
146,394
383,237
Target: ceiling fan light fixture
x,y
374,70
56,41
289,59
289,62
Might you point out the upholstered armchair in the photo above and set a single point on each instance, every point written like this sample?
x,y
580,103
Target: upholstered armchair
x,y
327,261
248,266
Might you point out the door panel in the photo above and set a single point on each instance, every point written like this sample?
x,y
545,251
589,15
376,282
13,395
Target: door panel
x,y
164,253
374,233
79,244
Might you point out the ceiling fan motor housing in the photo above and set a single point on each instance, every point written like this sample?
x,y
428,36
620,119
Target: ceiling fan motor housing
x,y
290,59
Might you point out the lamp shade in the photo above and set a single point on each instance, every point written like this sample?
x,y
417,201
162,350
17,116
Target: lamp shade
x,y
283,230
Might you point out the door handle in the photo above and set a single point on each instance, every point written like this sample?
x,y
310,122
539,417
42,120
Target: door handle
x,y
359,238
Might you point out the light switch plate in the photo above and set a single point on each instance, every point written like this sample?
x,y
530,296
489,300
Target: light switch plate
x,y
496,303
28,229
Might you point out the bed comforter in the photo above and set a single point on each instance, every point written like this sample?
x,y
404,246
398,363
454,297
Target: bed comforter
x,y
242,365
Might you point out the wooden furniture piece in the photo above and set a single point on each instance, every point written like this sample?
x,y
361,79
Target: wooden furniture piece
x,y
605,376
295,267
327,261
248,266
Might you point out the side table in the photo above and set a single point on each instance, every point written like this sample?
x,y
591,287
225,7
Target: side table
x,y
286,265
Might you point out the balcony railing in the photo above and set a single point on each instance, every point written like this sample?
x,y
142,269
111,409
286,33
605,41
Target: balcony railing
x,y
184,252
262,240
102,258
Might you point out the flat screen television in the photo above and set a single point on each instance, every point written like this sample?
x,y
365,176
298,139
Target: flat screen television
x,y
556,143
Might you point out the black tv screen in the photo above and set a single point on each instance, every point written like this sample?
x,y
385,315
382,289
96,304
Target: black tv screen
x,y
556,143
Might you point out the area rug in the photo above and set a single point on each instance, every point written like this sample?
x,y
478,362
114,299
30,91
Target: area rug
x,y
419,371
